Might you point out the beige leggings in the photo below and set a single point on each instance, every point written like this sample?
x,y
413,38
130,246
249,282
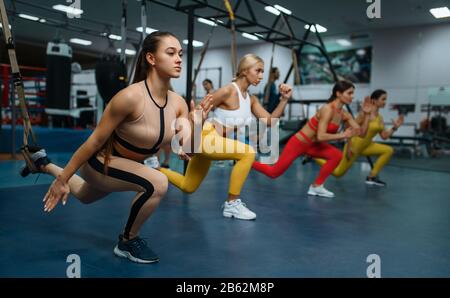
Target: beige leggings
x,y
123,174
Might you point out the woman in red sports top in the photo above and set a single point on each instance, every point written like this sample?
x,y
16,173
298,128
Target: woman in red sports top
x,y
313,137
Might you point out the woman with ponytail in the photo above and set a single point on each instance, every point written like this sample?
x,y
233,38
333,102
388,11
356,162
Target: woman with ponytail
x,y
234,108
312,139
135,123
372,124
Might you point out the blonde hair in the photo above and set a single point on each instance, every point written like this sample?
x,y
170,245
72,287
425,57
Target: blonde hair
x,y
245,63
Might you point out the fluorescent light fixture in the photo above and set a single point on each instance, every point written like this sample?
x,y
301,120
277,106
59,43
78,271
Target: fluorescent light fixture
x,y
195,43
207,22
83,42
68,9
115,37
361,52
219,21
440,12
320,28
282,9
343,42
259,35
272,10
28,17
148,30
127,52
1,26
42,20
249,36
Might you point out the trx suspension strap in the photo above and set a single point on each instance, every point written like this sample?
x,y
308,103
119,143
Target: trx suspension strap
x,y
293,51
202,55
267,89
123,29
233,36
143,35
144,18
18,85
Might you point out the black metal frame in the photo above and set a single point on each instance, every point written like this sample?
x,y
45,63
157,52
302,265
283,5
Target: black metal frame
x,y
266,33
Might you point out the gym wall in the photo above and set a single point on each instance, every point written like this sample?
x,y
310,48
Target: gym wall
x,y
405,67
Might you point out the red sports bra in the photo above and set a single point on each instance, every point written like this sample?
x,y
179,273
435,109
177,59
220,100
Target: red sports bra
x,y
313,123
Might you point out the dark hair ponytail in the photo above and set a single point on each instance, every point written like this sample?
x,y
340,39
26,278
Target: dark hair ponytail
x,y
150,45
377,94
340,86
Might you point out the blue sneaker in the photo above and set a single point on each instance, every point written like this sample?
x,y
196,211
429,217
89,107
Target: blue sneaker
x,y
135,250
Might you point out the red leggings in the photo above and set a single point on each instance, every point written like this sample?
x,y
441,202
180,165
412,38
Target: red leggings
x,y
294,148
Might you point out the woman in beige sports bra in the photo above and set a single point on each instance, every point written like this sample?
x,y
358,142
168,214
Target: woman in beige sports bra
x,y
135,123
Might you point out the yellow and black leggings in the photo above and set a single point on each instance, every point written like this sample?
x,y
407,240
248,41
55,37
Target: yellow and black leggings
x,y
214,147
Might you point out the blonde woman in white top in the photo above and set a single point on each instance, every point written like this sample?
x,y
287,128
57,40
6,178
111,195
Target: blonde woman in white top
x,y
234,106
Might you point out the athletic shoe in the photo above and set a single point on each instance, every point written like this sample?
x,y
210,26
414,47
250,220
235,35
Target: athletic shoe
x,y
237,209
39,158
375,181
320,191
135,250
152,162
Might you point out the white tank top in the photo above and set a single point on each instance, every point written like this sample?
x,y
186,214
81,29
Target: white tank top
x,y
240,117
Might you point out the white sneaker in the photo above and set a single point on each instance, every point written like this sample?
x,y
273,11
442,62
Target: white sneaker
x,y
152,162
238,210
320,191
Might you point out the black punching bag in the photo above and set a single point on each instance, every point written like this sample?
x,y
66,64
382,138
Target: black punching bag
x,y
59,70
111,77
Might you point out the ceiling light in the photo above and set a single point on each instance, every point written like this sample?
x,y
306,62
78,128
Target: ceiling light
x,y
249,36
83,42
440,12
320,28
272,10
207,22
282,9
1,26
195,43
28,17
127,52
68,9
115,37
148,30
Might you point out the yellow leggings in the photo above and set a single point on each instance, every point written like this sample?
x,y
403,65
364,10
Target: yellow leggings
x,y
215,147
383,151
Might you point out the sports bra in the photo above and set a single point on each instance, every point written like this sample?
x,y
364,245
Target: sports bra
x,y
313,123
142,137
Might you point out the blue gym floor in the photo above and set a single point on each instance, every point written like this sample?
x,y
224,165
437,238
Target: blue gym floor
x,y
406,224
